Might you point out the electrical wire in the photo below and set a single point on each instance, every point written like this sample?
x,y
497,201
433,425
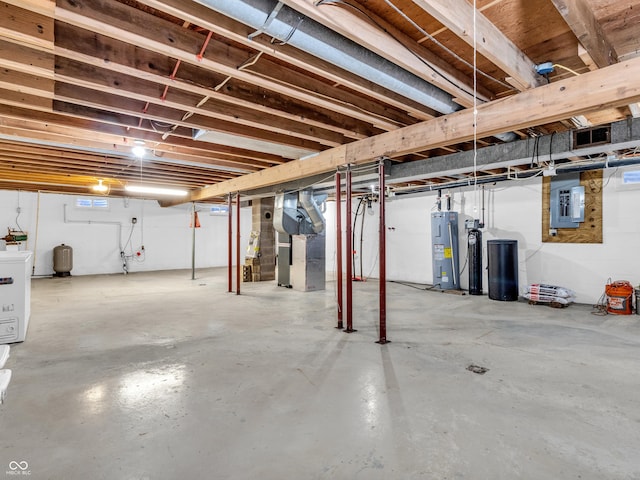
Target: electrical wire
x,y
423,32
566,69
18,212
407,284
444,47
600,308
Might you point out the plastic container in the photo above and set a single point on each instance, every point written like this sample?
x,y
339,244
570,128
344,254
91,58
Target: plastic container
x,y
619,297
502,264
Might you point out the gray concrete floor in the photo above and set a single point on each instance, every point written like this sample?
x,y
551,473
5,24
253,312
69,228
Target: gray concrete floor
x,y
156,376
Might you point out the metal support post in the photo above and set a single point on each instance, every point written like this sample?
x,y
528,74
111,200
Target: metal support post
x,y
349,262
238,265
230,243
383,256
193,241
339,247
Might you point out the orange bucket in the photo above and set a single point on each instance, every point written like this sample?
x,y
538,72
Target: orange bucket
x,y
619,297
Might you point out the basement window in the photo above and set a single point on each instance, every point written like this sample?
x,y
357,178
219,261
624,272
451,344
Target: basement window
x,y
219,210
86,203
628,178
631,178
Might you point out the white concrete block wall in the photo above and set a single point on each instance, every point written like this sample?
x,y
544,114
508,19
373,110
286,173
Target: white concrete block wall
x,y
165,233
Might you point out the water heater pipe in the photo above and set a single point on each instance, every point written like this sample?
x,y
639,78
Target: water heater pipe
x,y
453,257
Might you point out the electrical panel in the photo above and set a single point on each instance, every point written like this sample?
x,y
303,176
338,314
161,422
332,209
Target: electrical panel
x,y
567,201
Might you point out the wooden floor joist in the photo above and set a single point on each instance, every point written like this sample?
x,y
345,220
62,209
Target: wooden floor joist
x,y
612,86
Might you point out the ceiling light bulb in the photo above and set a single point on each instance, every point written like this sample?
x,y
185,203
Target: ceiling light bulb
x,y
100,187
139,151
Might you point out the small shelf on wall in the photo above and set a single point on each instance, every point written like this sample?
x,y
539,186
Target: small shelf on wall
x,y
587,231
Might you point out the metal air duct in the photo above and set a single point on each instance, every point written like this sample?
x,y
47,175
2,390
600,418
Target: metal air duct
x,y
289,26
311,207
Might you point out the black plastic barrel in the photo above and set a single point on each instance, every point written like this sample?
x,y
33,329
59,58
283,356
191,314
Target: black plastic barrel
x,y
474,246
502,260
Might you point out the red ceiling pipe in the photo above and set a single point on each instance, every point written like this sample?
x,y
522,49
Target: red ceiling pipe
x,y
382,230
238,265
349,262
339,247
230,243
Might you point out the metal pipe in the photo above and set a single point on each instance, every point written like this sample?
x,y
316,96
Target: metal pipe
x,y
599,165
339,247
454,248
238,266
349,262
230,244
309,204
193,241
382,229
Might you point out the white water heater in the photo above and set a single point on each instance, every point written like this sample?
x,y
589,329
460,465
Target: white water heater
x,y
444,241
15,295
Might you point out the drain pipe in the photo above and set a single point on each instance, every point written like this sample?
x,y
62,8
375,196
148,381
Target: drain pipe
x,y
349,328
339,247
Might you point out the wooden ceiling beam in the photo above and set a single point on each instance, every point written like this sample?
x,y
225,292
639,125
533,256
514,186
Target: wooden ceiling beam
x,y
608,87
202,16
458,16
112,171
128,24
106,82
121,58
48,127
582,21
379,36
75,96
26,26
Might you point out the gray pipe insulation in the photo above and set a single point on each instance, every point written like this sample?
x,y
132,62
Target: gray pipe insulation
x,y
287,25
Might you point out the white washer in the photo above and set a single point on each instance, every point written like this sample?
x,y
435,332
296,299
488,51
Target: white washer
x,y
15,295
